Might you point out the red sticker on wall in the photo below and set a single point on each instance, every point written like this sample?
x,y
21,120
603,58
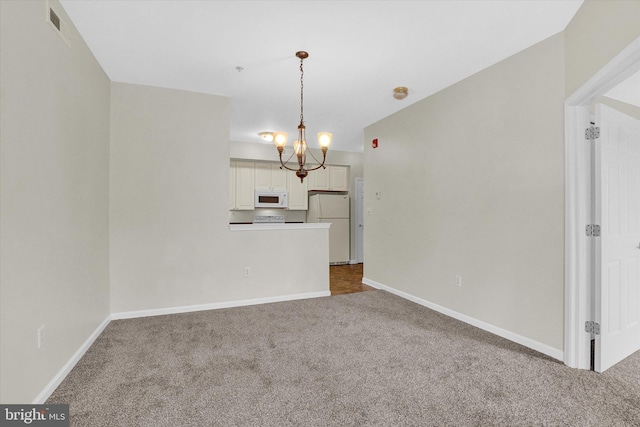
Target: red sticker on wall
x,y
374,143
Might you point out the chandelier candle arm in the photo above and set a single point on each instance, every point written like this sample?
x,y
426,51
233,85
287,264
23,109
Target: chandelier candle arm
x,y
300,145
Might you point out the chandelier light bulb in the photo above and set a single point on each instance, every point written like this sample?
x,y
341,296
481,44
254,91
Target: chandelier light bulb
x,y
280,139
324,139
299,147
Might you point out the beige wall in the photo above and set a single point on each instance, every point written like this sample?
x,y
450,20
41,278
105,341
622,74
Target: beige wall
x,y
54,163
168,186
472,184
491,179
598,32
170,241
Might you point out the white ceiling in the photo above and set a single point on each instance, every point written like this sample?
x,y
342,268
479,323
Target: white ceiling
x,y
359,51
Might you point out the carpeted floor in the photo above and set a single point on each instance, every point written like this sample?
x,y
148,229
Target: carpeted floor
x,y
365,359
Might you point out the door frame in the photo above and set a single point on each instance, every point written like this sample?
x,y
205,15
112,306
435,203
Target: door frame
x,y
578,257
359,232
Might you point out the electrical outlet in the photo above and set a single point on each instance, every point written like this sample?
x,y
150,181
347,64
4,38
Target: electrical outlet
x,y
459,281
40,336
247,271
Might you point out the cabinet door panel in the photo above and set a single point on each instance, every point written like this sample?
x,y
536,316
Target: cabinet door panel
x,y
262,176
279,176
269,176
245,185
298,195
320,179
339,180
232,186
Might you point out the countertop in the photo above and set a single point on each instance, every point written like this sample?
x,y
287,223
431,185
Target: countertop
x,y
280,226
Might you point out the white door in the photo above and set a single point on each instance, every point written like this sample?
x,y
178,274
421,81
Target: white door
x,y
617,210
359,220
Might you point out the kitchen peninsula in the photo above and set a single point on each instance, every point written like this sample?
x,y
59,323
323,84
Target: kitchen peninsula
x,y
280,261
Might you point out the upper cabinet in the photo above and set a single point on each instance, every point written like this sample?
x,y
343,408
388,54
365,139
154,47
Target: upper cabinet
x,y
269,176
232,186
298,192
338,178
318,179
247,176
241,186
333,178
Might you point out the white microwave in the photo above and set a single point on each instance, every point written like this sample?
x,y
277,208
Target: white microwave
x,y
271,199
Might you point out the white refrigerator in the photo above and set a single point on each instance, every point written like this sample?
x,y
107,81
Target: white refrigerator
x,y
334,209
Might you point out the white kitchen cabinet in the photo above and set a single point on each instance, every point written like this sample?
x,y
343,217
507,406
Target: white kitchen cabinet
x,y
338,178
232,186
333,178
318,179
241,187
269,176
298,199
248,176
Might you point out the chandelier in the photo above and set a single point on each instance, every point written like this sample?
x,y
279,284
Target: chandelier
x,y
300,145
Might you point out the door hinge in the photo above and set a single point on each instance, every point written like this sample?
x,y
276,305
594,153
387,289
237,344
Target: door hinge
x,y
592,327
591,133
593,230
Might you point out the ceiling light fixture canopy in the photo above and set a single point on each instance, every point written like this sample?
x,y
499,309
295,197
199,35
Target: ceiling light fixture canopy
x,y
267,136
400,92
300,145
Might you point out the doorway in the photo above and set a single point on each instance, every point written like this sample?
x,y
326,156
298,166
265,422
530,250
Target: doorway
x,y
616,207
579,274
346,279
359,220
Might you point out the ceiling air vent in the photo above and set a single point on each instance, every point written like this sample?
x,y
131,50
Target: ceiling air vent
x,y
57,24
53,18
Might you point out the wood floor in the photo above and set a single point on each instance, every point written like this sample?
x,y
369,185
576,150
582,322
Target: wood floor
x,y
346,279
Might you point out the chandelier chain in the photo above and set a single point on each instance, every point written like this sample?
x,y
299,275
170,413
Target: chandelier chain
x,y
301,93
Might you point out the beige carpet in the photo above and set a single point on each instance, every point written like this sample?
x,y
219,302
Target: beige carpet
x,y
366,359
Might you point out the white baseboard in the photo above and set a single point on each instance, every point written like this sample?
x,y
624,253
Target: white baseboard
x,y
511,336
215,305
62,374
